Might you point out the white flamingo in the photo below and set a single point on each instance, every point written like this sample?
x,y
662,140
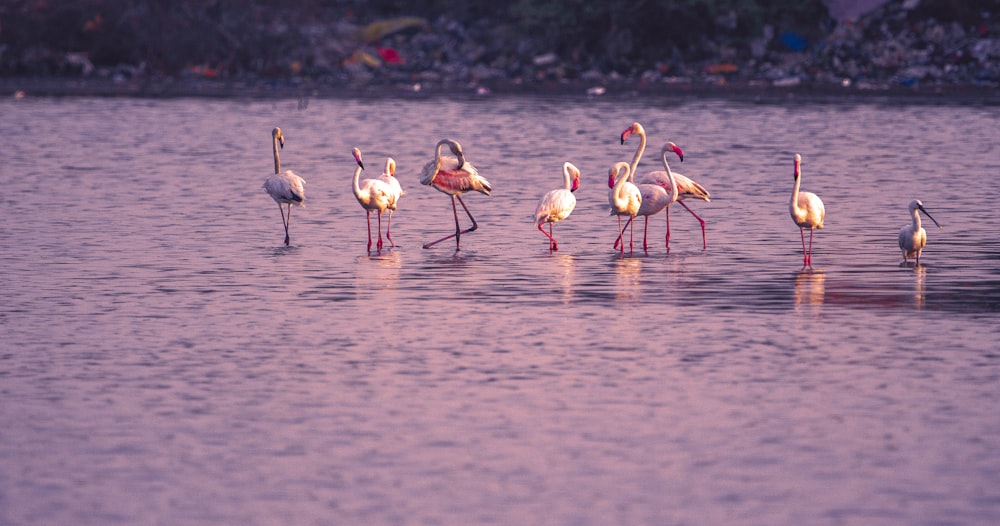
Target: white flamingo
x,y
656,197
807,211
686,187
284,187
913,237
624,198
389,178
558,204
454,176
372,194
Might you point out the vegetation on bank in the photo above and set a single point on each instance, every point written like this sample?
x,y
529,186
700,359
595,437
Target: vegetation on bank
x,y
327,39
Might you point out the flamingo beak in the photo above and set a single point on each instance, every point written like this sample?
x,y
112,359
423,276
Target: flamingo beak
x,y
281,142
576,184
679,152
611,180
625,134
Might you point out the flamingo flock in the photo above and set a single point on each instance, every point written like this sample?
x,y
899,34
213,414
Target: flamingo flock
x,y
629,196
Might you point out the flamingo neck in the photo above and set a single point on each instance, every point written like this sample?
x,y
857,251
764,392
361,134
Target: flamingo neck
x,y
670,177
568,178
277,162
795,190
356,186
620,181
638,152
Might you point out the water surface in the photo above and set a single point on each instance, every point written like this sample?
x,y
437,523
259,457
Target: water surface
x,y
167,360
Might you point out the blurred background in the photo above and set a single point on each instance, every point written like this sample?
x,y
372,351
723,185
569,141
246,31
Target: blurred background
x,y
528,43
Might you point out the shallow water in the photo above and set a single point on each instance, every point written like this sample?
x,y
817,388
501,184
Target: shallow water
x,y
168,361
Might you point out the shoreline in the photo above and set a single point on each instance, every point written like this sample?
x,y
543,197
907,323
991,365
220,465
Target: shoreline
x,y
303,88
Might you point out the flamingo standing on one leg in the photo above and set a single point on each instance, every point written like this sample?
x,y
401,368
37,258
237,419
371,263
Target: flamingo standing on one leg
x,y
657,197
284,187
558,204
685,186
625,199
807,211
372,194
913,237
389,178
454,176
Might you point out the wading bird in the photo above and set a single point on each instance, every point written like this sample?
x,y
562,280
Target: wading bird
x,y
284,187
686,188
558,204
624,198
372,194
806,209
389,177
656,197
454,176
913,237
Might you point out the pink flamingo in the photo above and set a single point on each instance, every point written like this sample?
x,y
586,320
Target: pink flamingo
x,y
807,211
685,186
372,194
655,197
558,204
625,199
454,176
389,178
284,187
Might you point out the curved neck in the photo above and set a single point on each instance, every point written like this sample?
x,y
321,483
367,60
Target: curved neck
x,y
277,162
795,190
437,155
356,186
916,219
621,179
638,152
567,178
670,177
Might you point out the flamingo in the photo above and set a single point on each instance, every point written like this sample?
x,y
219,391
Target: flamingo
x,y
372,194
558,204
656,197
913,237
807,211
624,197
454,176
389,177
284,187
686,187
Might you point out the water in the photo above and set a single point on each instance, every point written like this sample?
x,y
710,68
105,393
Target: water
x,y
166,360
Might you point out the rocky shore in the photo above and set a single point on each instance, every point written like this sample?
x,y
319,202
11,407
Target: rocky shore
x,y
888,51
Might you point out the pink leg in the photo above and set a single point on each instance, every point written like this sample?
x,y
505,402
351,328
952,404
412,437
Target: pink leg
x,y
619,233
631,234
667,213
458,231
368,218
645,229
554,246
388,227
704,240
552,241
284,223
811,247
805,254
380,231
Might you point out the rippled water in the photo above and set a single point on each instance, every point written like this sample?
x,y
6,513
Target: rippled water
x,y
166,360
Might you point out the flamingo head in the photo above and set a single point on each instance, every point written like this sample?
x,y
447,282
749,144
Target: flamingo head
x,y
390,167
671,147
798,165
634,128
611,178
357,157
276,134
574,174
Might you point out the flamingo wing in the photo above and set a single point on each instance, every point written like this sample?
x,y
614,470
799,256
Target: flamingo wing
x,y
554,206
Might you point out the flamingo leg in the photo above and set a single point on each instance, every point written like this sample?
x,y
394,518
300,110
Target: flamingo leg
x,y
380,231
552,241
811,247
704,240
388,227
805,255
458,231
619,233
288,223
666,212
645,229
283,222
368,218
631,234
